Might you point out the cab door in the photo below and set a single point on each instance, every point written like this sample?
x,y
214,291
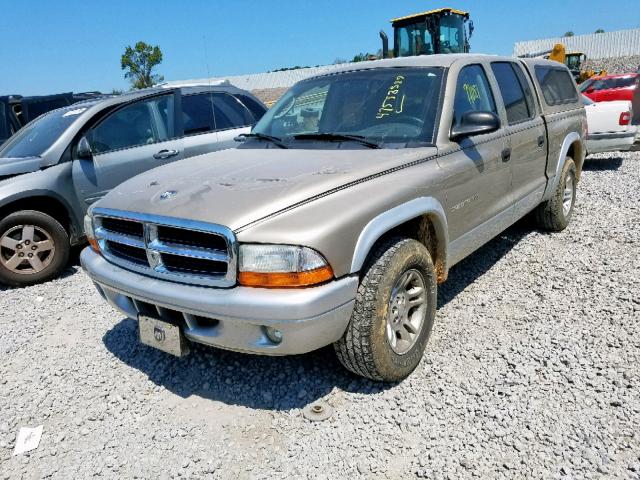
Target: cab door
x,y
526,138
136,137
477,187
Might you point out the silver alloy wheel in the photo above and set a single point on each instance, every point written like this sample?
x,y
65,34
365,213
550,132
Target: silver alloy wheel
x,y
26,249
567,196
406,311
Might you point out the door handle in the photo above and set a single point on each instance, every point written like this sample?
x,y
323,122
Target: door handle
x,y
506,154
541,141
162,154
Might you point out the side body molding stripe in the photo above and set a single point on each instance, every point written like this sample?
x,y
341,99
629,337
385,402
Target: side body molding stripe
x,y
396,216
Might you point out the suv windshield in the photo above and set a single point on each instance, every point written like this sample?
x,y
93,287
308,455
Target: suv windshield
x,y
35,138
383,105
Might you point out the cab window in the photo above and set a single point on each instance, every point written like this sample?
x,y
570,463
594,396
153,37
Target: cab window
x,y
557,85
141,123
473,93
512,92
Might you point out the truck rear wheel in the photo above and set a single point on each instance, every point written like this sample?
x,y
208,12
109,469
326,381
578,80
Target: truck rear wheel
x,y
394,312
555,213
34,247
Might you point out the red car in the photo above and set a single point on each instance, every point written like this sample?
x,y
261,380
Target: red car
x,y
615,87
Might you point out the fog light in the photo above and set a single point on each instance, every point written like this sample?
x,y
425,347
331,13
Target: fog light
x,y
273,334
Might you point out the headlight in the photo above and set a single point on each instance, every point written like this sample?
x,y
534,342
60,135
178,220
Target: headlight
x,y
88,231
281,266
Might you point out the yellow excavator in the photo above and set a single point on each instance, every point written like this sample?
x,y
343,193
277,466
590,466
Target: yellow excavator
x,y
573,60
444,30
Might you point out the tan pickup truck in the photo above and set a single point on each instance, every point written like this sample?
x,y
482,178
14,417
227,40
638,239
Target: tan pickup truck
x,y
335,219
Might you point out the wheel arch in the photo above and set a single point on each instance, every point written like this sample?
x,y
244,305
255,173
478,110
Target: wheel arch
x,y
573,147
45,202
422,218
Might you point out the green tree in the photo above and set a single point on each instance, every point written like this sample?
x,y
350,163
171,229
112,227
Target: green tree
x,y
569,34
139,63
600,30
363,57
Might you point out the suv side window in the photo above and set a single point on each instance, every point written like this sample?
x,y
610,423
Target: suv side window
x,y
557,85
473,93
140,123
513,96
208,112
256,109
197,114
230,113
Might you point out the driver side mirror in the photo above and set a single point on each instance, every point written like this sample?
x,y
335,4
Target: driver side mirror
x,y
83,150
475,123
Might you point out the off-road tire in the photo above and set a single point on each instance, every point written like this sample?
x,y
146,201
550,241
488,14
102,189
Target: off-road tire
x,y
364,348
550,214
59,236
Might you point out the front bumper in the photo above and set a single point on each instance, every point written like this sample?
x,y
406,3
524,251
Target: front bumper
x,y
234,318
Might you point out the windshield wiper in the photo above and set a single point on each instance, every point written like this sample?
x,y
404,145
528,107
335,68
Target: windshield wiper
x,y
337,137
261,136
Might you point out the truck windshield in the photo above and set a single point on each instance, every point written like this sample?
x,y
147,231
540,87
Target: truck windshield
x,y
381,106
36,137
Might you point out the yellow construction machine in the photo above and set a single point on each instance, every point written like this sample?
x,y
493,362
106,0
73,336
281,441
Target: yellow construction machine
x,y
573,60
444,30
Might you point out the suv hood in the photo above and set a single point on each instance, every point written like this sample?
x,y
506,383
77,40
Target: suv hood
x,y
16,166
239,186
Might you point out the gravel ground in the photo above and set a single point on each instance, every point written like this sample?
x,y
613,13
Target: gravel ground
x,y
531,372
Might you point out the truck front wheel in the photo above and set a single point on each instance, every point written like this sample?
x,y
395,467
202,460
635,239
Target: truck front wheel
x,y
393,314
34,247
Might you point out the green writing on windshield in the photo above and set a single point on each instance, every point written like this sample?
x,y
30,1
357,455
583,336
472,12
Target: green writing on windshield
x,y
394,101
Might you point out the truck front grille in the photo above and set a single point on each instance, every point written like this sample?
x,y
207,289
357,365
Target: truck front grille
x,y
172,249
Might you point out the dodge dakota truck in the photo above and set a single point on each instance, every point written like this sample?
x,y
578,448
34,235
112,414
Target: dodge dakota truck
x,y
336,218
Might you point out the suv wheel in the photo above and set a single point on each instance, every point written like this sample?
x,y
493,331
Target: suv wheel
x,y
555,213
394,313
33,247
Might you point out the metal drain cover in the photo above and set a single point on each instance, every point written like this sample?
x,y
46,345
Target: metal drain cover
x,y
317,411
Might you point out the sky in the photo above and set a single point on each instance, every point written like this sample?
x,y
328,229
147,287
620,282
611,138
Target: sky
x,y
61,46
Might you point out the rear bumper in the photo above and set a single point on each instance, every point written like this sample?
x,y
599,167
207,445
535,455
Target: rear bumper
x,y
609,142
234,318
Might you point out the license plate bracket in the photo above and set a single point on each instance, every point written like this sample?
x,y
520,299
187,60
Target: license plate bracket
x,y
162,335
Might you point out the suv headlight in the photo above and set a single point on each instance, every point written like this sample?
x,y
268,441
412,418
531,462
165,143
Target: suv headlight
x,y
88,231
281,266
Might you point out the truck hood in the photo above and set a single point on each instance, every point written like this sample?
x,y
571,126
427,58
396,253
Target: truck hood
x,y
16,166
239,186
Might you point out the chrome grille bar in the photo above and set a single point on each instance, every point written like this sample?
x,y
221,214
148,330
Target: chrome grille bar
x,y
154,248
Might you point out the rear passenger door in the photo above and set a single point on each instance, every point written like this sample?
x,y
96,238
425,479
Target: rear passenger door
x,y
211,121
526,141
134,138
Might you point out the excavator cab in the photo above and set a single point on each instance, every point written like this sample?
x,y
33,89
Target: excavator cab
x,y
444,30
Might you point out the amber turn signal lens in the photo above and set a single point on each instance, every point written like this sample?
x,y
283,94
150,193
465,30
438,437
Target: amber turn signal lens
x,y
94,244
286,280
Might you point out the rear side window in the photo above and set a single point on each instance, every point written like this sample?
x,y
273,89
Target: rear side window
x,y
473,93
254,107
230,113
515,101
557,85
209,112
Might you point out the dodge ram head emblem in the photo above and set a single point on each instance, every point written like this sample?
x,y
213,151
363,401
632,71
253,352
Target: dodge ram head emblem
x,y
168,194
158,333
